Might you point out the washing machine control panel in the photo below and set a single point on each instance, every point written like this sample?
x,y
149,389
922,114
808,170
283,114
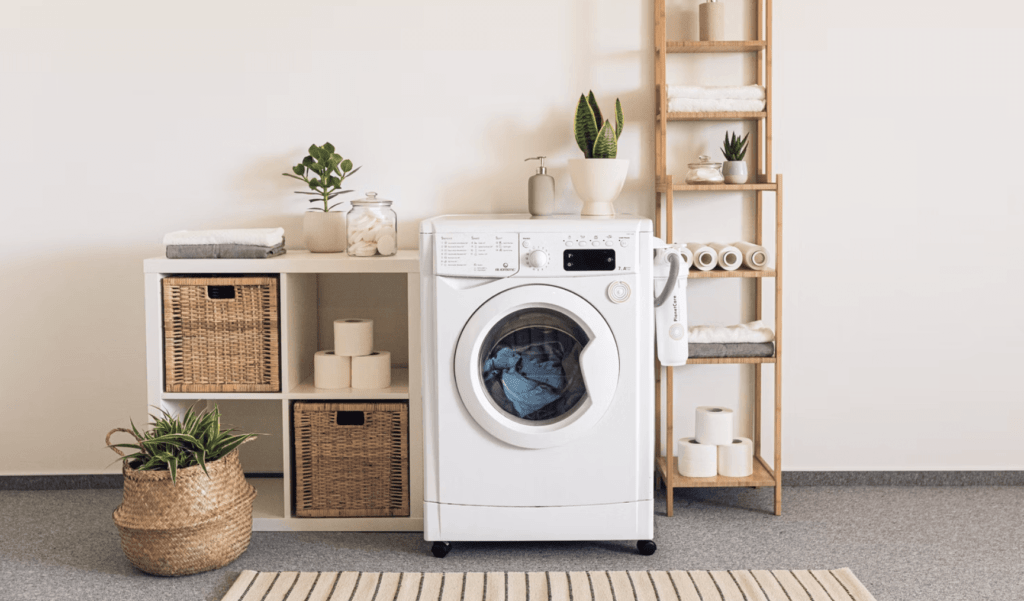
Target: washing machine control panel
x,y
477,255
577,254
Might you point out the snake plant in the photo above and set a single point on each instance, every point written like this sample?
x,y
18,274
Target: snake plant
x,y
735,149
173,443
596,136
329,171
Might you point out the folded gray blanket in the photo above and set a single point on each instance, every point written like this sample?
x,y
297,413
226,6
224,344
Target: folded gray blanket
x,y
739,349
223,251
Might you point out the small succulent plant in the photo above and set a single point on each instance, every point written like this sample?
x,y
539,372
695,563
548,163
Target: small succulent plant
x,y
596,137
735,148
329,171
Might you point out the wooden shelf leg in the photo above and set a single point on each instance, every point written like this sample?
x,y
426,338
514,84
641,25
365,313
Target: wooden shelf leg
x,y
777,466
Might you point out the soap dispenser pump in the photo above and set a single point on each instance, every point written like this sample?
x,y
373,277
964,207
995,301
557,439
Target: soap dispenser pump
x,y
542,191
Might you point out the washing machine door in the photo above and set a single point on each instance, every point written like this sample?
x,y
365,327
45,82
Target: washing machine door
x,y
537,366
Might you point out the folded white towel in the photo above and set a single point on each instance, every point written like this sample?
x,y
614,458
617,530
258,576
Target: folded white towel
x,y
754,331
714,105
752,92
248,237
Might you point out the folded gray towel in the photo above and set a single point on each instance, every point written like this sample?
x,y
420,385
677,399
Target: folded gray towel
x,y
735,349
223,251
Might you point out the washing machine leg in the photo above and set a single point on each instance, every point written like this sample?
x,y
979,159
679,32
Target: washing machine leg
x,y
440,549
646,547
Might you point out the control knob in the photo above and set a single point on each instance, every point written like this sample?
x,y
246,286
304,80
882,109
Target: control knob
x,y
538,259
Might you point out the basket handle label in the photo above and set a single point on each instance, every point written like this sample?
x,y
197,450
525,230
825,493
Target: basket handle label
x,y
221,292
350,418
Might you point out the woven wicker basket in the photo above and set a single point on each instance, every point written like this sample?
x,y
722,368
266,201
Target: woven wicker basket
x,y
199,524
351,459
221,334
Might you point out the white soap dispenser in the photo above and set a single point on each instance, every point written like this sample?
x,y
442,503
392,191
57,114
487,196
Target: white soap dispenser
x,y
542,191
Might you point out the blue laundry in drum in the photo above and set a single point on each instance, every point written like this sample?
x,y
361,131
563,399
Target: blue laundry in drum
x,y
528,384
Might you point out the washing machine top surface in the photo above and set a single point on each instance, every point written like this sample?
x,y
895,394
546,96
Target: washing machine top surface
x,y
524,222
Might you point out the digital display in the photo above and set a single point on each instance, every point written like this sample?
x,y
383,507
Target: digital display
x,y
597,259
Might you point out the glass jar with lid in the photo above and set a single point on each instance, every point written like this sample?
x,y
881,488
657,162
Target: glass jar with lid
x,y
705,172
372,227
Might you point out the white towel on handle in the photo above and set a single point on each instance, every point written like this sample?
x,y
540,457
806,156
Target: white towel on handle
x,y
752,92
754,331
714,105
270,236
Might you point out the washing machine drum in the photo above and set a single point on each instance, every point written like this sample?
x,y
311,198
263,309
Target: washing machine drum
x,y
537,366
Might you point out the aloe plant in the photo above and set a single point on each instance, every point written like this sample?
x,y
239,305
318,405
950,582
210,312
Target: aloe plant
x,y
596,137
329,171
735,148
173,443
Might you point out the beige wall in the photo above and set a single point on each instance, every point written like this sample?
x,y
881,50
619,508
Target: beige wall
x,y
121,121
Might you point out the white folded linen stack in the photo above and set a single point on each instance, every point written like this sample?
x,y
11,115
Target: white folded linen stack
x,y
268,236
715,99
753,332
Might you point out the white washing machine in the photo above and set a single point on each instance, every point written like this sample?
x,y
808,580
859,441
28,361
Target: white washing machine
x,y
537,380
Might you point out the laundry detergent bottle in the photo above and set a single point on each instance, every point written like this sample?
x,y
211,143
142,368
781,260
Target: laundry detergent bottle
x,y
541,191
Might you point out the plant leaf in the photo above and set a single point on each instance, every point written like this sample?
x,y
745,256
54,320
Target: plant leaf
x,y
346,166
606,147
298,170
585,127
619,122
353,172
334,205
314,151
308,161
592,101
328,147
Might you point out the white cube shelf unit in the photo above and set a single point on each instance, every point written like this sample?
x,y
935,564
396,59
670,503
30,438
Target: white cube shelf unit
x,y
314,290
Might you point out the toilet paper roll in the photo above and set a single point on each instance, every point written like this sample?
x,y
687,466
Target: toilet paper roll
x,y
755,256
353,337
331,370
729,257
714,425
372,370
736,460
705,258
697,460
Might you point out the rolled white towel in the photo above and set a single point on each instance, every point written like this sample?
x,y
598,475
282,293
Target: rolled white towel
x,y
751,92
714,105
729,257
246,237
705,258
754,331
755,256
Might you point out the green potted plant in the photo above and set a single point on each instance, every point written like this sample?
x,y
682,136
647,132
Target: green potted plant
x,y
187,507
599,176
734,149
323,171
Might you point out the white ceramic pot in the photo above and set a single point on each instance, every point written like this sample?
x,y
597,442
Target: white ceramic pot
x,y
598,182
324,232
735,172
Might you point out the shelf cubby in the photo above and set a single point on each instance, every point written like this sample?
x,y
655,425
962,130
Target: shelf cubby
x,y
314,290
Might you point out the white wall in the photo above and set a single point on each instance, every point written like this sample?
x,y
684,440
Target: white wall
x,y
120,121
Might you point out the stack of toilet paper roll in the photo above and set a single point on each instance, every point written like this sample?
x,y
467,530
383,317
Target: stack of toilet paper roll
x,y
714,451
728,257
353,362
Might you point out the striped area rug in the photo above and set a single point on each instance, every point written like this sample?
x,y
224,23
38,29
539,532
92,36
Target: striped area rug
x,y
732,585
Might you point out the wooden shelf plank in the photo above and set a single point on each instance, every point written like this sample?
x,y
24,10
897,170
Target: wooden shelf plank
x,y
399,389
704,47
762,476
767,187
293,261
696,274
717,116
729,360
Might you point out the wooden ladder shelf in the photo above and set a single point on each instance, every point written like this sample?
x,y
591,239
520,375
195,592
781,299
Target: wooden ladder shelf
x,y
666,470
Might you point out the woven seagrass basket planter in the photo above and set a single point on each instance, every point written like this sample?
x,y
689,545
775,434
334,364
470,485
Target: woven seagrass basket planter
x,y
199,524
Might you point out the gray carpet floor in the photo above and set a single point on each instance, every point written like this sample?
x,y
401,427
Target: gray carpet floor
x,y
904,543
